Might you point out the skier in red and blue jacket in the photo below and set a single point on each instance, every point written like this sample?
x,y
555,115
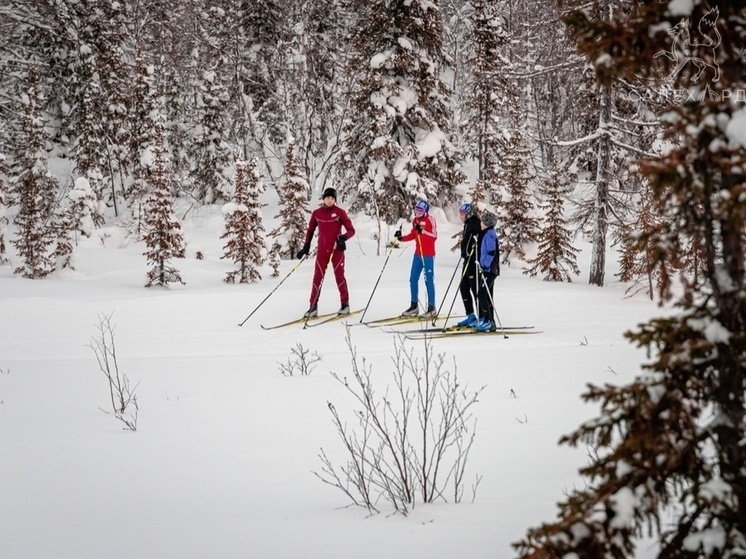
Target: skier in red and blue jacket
x,y
329,219
424,232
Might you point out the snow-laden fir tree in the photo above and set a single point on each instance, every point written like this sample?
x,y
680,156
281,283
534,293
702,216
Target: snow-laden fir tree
x,y
77,215
142,106
98,122
212,152
489,92
640,267
515,201
667,450
556,259
294,210
3,218
243,226
32,185
398,138
164,239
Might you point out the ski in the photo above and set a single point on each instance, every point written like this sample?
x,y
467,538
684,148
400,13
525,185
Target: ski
x,y
317,322
470,332
298,321
453,328
397,320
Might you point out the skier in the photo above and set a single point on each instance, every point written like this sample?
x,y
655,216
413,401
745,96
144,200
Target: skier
x,y
470,240
329,218
489,269
425,232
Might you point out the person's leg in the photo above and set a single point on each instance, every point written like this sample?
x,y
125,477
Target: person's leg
x,y
490,279
322,261
414,278
338,262
484,299
465,288
430,280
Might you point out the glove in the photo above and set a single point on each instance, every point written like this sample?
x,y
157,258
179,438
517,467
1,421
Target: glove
x,y
302,252
418,228
342,242
397,235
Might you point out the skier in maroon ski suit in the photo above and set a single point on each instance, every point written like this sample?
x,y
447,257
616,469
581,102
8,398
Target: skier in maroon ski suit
x,y
329,218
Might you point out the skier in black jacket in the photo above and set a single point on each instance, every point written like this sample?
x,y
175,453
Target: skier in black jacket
x,y
470,254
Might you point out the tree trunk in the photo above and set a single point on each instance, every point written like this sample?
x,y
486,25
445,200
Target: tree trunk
x,y
598,257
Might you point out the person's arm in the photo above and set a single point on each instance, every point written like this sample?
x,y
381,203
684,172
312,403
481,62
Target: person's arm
x,y
312,223
412,234
488,250
309,235
347,224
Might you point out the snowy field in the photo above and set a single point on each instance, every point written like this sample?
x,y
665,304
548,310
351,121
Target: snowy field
x,y
222,462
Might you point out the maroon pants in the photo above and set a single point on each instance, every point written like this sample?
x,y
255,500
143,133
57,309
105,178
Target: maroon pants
x,y
338,265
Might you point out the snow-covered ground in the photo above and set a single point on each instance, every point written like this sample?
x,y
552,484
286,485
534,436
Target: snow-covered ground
x,y
222,462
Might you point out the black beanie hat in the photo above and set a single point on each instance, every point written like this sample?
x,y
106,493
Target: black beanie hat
x,y
329,192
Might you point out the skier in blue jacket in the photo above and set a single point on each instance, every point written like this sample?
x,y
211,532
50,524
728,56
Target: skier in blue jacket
x,y
489,266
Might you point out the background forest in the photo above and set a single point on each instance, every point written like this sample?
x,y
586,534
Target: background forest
x,y
385,101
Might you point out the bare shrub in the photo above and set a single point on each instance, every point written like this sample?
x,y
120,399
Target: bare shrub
x,y
409,444
122,394
302,361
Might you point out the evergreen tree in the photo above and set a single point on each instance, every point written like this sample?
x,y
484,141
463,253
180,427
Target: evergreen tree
x,y
398,144
212,152
34,187
638,258
490,92
294,210
518,224
98,119
243,226
163,239
668,448
3,219
556,259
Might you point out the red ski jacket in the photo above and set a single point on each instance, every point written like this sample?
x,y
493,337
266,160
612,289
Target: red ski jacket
x,y
329,220
425,245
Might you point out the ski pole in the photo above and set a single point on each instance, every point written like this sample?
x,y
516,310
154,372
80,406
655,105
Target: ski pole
x,y
321,283
492,301
275,289
445,293
394,244
463,273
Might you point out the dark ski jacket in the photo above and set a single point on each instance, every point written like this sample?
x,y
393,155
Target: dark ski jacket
x,y
471,236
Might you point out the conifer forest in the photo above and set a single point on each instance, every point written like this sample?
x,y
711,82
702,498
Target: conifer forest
x,y
621,122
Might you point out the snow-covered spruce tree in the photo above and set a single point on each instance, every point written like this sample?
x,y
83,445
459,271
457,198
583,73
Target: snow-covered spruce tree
x,y
294,210
312,80
98,121
78,214
3,219
265,24
489,92
556,259
212,152
142,105
639,265
33,186
398,144
517,221
163,239
668,448
243,226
